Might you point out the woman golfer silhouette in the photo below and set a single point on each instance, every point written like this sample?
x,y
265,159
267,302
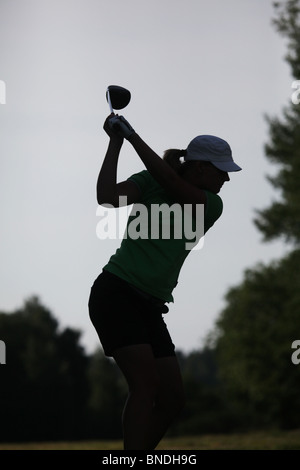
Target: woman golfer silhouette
x,y
129,297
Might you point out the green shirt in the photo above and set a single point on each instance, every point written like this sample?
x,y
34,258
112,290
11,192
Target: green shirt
x,y
149,258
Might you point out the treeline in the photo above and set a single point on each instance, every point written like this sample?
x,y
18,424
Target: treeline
x,y
244,378
51,389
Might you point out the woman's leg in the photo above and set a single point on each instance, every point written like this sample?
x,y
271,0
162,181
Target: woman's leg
x,y
170,398
138,366
155,395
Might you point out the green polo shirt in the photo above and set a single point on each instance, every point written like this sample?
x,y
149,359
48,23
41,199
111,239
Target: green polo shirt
x,y
158,238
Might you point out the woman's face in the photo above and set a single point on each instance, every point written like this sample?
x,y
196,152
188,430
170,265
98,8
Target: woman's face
x,y
205,175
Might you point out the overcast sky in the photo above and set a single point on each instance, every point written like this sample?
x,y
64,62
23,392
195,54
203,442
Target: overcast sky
x,y
193,67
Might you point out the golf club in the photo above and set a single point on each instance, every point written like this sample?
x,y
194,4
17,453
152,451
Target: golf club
x,y
117,97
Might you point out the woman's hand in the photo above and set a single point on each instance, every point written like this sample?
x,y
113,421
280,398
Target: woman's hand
x,y
113,135
121,126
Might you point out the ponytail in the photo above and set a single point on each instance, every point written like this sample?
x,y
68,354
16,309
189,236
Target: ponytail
x,y
172,157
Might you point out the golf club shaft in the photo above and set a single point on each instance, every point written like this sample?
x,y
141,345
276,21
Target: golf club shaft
x,y
109,102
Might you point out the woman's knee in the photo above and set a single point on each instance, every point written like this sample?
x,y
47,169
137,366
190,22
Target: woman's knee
x,y
146,385
171,404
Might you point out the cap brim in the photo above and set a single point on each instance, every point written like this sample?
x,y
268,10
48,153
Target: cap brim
x,y
227,166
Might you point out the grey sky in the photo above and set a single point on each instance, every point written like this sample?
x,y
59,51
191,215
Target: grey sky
x,y
193,67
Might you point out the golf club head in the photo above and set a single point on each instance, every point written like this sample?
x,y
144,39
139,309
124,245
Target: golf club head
x,y
117,97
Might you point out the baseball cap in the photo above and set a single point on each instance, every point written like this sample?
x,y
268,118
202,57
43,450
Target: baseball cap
x,y
212,149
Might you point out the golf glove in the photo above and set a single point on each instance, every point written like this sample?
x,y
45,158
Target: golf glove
x,y
121,126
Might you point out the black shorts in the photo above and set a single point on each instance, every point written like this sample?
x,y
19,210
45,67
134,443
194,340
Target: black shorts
x,y
123,316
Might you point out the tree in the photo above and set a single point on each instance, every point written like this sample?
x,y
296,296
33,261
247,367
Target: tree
x,y
255,331
282,218
107,396
254,339
43,385
206,409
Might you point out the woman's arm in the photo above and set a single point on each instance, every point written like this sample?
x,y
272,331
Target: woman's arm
x,y
107,179
108,190
185,192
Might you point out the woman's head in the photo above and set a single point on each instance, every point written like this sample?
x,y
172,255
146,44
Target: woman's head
x,y
205,163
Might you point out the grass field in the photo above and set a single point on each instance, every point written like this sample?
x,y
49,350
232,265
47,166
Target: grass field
x,y
250,441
